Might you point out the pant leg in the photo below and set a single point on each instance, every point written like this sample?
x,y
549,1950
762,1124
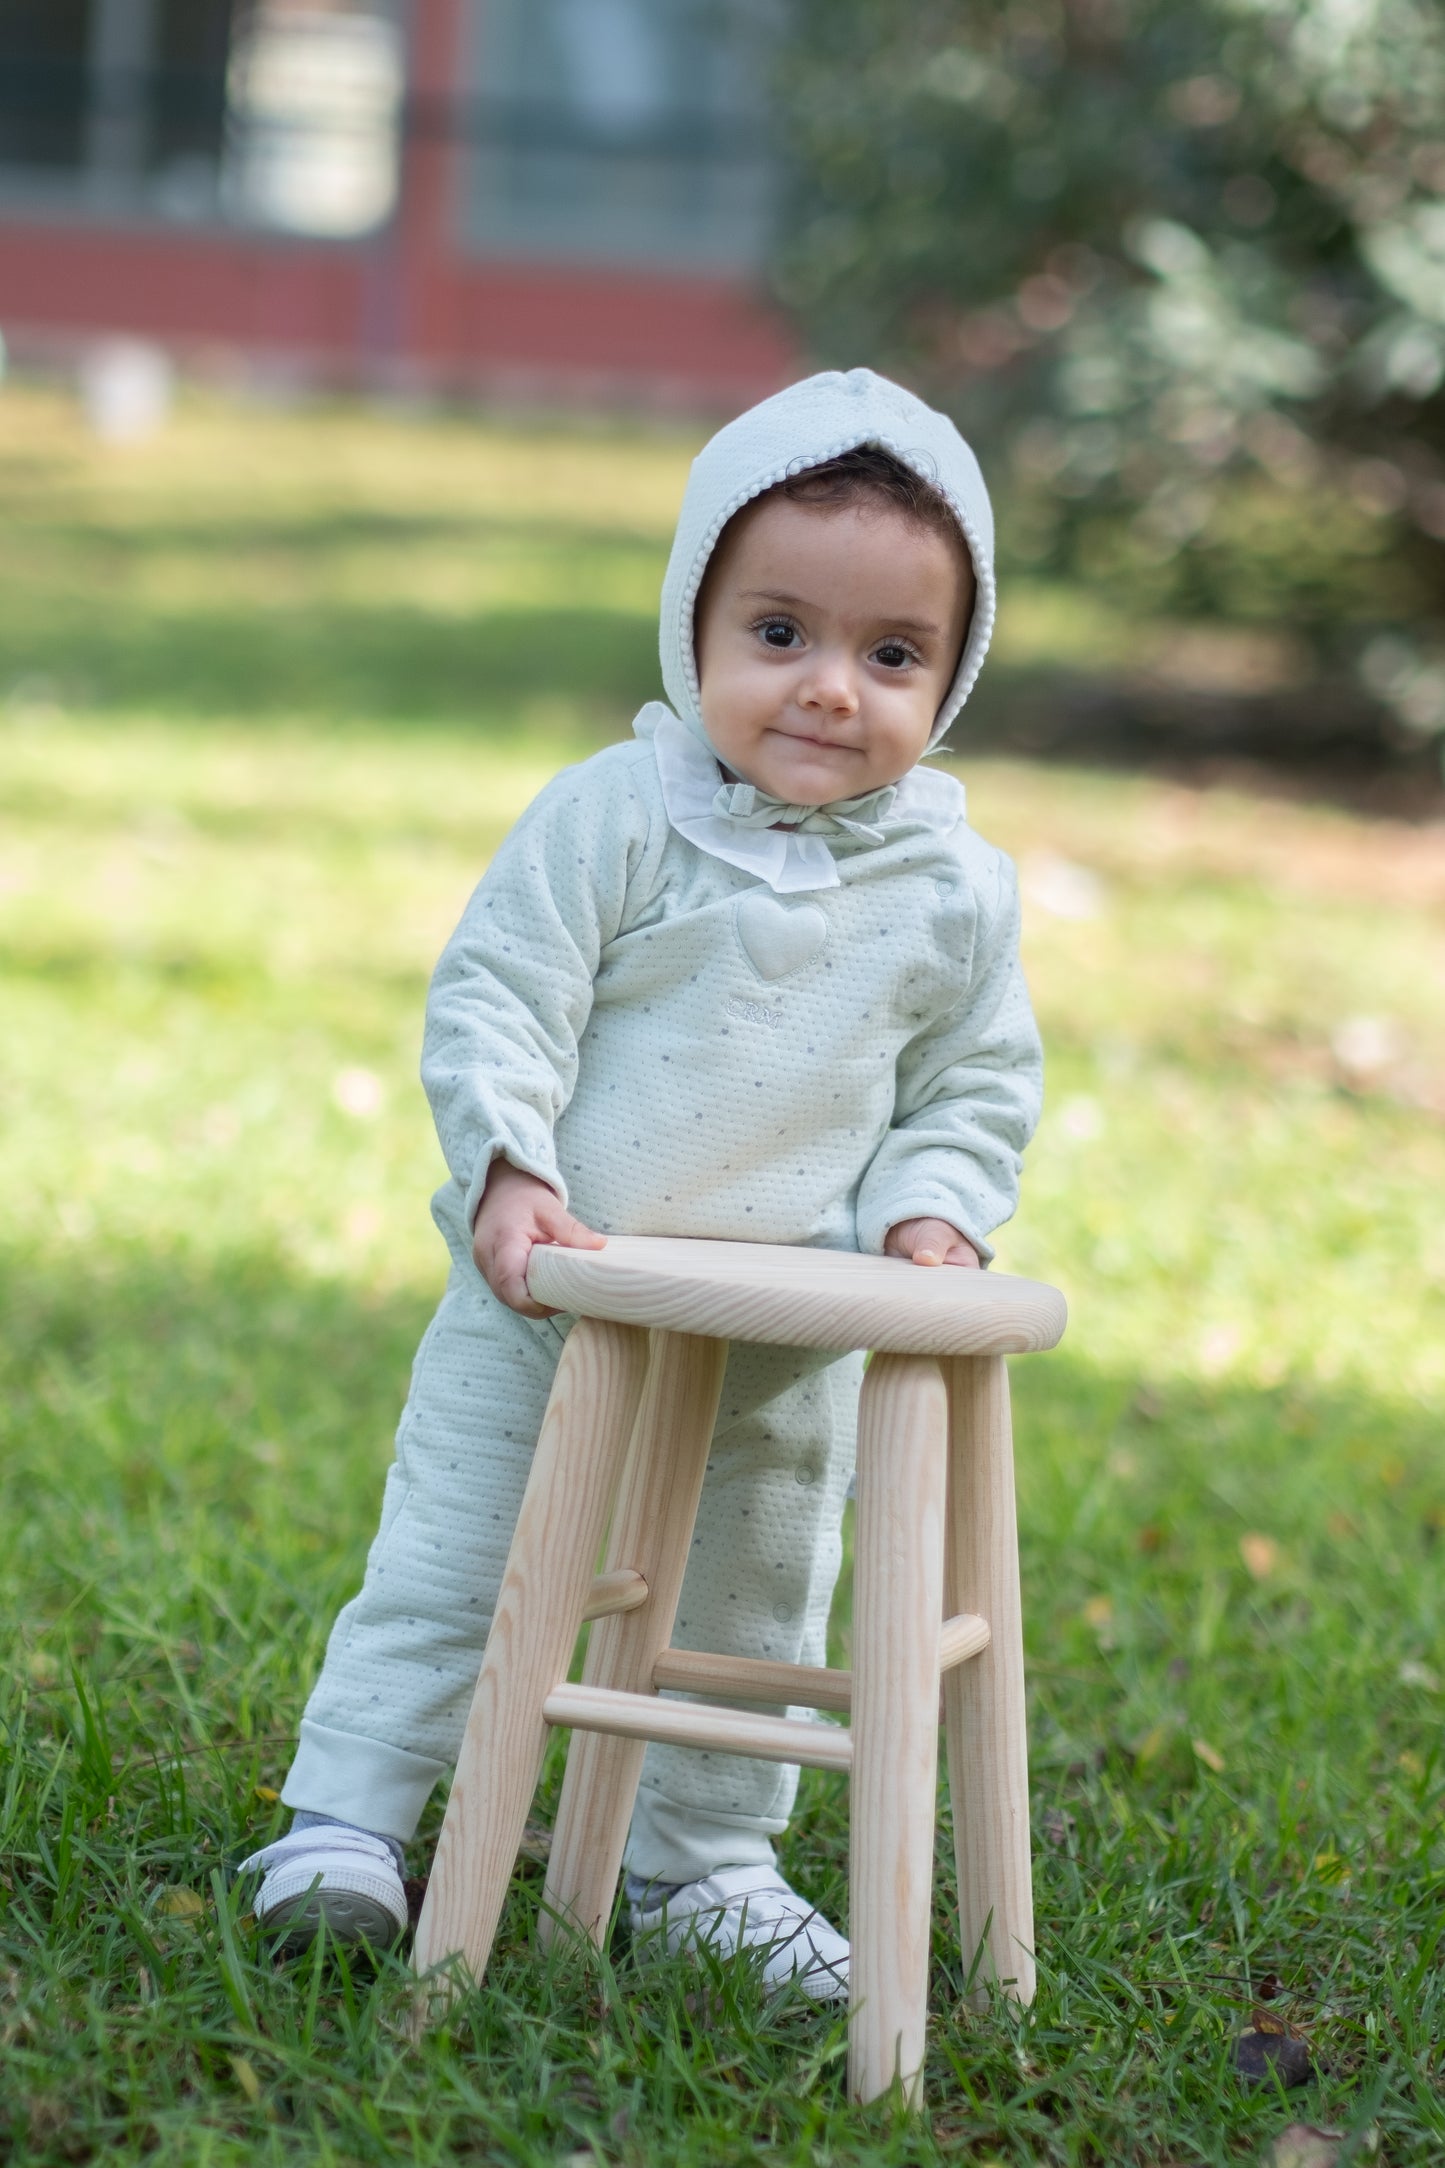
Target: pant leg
x,y
766,1553
385,1719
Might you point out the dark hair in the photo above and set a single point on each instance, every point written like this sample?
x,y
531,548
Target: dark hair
x,y
865,476
868,474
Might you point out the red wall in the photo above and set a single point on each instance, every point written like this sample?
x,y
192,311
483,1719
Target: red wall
x,y
404,307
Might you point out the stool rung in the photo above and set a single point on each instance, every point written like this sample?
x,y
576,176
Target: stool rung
x,y
624,1590
753,1678
963,1636
758,1678
682,1723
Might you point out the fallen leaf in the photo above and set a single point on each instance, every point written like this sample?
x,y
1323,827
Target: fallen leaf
x,y
245,2076
1152,1745
1098,1610
264,1793
1209,1755
1303,2145
1260,1555
181,1904
1150,1539
1330,1865
1272,2057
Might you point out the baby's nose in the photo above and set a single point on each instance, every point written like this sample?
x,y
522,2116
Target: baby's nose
x,y
833,683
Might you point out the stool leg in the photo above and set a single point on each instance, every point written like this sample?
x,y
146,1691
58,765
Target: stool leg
x,y
554,1550
651,1532
983,1700
897,1606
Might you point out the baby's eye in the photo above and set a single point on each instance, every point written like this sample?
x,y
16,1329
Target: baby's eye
x,y
778,632
894,655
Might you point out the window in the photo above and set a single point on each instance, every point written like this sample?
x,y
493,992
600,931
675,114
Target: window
x,y
274,113
617,130
43,86
314,99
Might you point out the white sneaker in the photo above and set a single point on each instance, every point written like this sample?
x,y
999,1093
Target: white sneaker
x,y
751,1908
346,1877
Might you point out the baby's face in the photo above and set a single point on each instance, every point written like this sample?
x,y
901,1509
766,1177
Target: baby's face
x,y
826,640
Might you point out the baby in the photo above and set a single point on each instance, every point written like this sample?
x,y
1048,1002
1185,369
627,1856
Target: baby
x,y
748,976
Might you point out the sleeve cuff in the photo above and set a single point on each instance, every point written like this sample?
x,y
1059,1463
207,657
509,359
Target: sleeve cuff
x,y
874,1226
534,1163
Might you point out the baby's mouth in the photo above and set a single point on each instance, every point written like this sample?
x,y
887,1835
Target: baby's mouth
x,y
821,745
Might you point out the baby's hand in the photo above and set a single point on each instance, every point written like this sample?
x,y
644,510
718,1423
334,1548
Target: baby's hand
x,y
930,1242
516,1212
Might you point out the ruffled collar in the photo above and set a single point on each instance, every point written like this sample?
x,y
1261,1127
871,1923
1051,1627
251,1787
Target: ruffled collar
x,y
785,845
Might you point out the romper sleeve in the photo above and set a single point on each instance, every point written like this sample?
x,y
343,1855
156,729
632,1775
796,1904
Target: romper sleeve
x,y
968,1094
512,992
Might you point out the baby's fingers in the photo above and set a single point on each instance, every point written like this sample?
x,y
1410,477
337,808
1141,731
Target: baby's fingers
x,y
505,1272
935,1242
556,1224
932,1241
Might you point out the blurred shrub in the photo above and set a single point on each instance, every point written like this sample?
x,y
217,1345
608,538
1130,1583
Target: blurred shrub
x,y
1181,263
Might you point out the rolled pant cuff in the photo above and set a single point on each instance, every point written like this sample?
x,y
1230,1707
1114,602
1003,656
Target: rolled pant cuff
x,y
363,1781
671,1843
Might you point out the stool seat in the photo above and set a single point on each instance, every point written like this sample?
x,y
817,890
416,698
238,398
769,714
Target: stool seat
x,y
800,1297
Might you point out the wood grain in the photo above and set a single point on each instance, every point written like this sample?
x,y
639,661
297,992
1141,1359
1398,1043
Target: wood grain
x,y
799,1297
623,1590
988,1771
964,1636
651,1534
544,1592
690,1723
897,1607
808,1686
753,1678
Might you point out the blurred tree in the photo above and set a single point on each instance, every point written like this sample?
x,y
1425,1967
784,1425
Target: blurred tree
x,y
1183,259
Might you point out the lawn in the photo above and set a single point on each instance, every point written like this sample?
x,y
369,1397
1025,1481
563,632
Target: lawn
x,y
273,686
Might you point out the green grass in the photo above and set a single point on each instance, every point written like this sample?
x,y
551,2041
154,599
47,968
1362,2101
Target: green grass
x,y
276,685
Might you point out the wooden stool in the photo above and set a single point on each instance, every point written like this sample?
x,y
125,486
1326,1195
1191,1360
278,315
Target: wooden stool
x,y
936,1543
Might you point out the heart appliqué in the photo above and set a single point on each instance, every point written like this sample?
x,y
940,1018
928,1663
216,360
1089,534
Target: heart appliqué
x,y
778,938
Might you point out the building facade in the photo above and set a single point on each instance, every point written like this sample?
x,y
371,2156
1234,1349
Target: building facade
x,y
557,199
